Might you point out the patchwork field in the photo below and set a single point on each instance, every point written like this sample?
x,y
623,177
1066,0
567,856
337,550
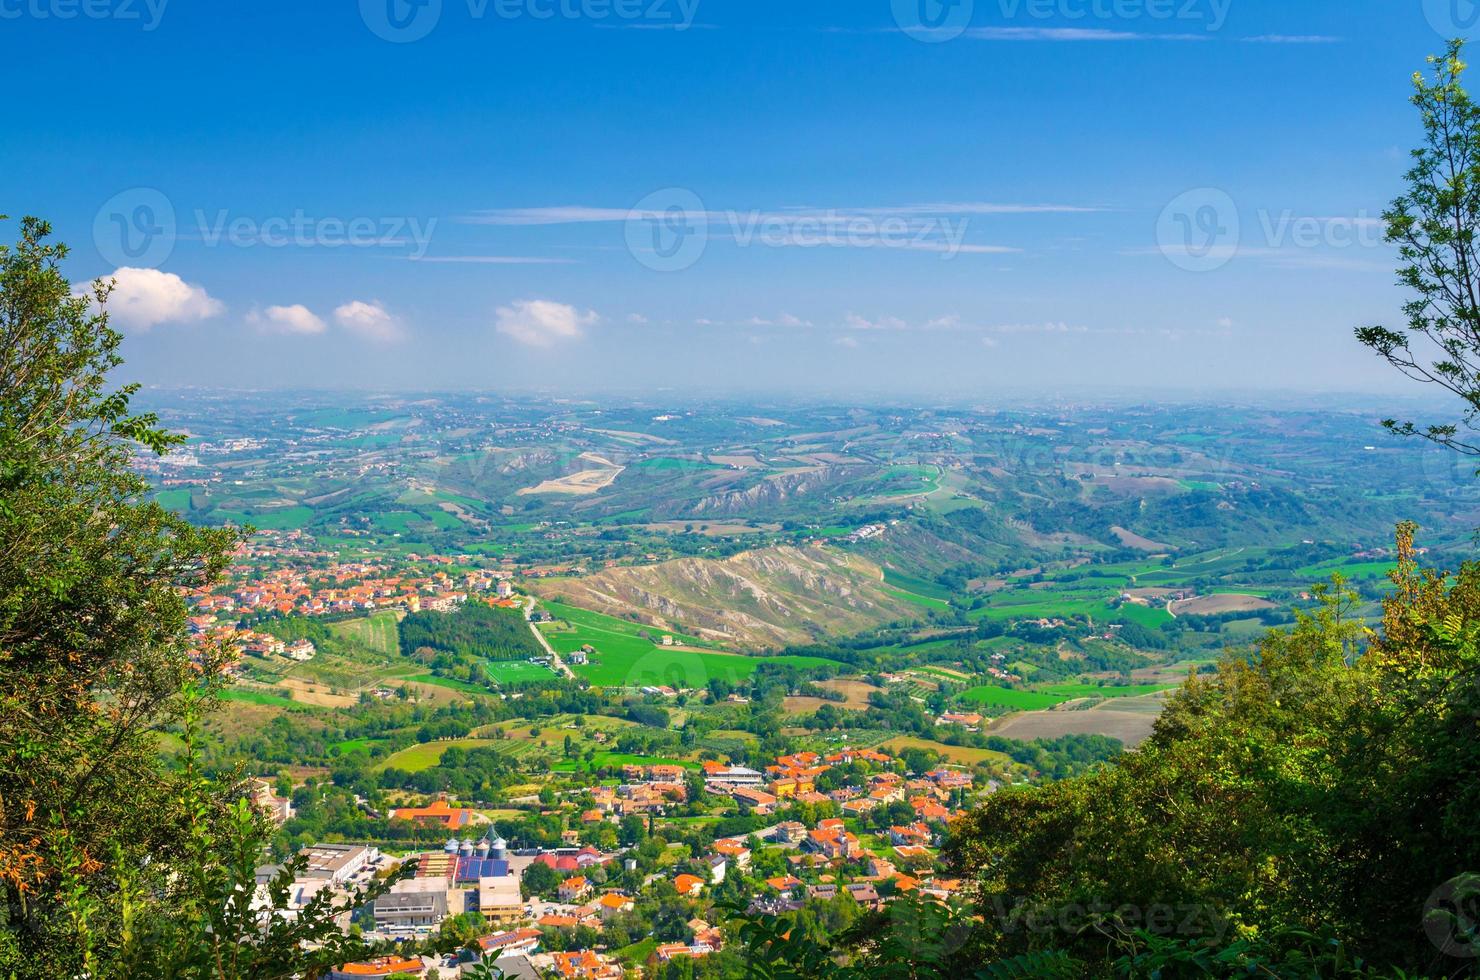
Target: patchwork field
x,y
624,658
1131,539
1218,603
582,483
963,754
1005,697
1109,718
854,690
415,758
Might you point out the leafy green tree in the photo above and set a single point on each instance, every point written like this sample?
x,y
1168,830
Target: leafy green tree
x,y
539,879
112,863
1433,223
1304,803
93,649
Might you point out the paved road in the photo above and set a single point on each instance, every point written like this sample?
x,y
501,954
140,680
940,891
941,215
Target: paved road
x,y
555,661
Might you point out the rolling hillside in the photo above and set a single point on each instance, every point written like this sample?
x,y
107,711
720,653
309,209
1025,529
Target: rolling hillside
x,y
757,599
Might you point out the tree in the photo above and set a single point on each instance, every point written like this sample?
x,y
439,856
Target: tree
x,y
539,879
1434,224
92,626
112,863
1304,802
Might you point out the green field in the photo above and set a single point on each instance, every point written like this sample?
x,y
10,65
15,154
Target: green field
x,y
177,500
1352,570
425,755
638,663
513,671
352,745
586,620
447,682
376,632
623,658
919,586
1106,691
281,519
919,600
257,697
1006,697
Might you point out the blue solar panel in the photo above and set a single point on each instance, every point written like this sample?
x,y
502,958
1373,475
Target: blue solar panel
x,y
473,868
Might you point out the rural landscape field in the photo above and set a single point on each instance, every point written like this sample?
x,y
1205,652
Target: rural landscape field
x,y
739,490
1055,572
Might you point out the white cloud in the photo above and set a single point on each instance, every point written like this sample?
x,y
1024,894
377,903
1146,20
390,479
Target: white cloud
x,y
542,322
143,298
950,321
1225,321
370,321
636,318
846,341
882,323
1073,34
295,319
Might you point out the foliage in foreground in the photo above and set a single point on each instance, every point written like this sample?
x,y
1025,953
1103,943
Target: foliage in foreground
x,y
111,863
1308,811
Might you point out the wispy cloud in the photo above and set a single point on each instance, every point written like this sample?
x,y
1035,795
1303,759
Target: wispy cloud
x,y
932,226
1072,34
568,214
493,260
1293,39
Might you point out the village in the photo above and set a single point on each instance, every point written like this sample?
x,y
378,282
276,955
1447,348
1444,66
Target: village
x,y
578,911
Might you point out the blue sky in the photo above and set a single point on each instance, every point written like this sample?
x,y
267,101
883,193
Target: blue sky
x,y
799,197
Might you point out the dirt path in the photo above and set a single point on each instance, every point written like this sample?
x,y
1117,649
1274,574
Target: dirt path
x,y
555,661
